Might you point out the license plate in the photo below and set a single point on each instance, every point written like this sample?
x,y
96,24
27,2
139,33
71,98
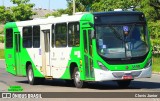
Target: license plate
x,y
127,77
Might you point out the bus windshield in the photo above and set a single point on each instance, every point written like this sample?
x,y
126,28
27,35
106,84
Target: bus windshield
x,y
122,40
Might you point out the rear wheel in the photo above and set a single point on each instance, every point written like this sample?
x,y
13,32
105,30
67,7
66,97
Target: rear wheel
x,y
76,77
124,84
31,79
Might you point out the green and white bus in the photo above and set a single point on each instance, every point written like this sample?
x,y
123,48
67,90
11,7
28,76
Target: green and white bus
x,y
85,47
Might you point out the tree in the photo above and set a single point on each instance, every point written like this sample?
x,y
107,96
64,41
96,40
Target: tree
x,y
23,10
57,13
87,3
151,8
79,7
4,15
110,5
69,9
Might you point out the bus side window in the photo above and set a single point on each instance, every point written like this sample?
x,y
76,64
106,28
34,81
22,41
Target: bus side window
x,y
61,35
53,35
73,34
36,36
27,37
9,38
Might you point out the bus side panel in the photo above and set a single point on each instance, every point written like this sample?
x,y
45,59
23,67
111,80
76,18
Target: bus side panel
x,y
9,55
59,62
9,59
33,56
74,58
26,56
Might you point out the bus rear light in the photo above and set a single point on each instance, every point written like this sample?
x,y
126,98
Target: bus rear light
x,y
102,66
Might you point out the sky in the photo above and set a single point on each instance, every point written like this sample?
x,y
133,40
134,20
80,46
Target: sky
x,y
54,4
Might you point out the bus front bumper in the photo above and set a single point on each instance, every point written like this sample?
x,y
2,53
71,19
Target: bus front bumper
x,y
101,75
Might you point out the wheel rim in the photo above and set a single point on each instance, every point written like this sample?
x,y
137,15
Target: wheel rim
x,y
77,78
30,75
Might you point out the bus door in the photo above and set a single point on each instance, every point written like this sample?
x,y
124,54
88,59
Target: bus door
x,y
17,53
88,54
46,52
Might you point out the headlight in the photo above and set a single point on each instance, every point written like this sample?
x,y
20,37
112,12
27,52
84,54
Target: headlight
x,y
102,66
148,64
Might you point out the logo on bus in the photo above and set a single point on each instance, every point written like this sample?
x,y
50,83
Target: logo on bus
x,y
136,66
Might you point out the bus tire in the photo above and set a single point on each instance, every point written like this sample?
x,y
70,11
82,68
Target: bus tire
x,y
30,75
76,77
123,83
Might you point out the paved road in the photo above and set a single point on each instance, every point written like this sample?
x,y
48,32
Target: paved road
x,y
140,85
2,63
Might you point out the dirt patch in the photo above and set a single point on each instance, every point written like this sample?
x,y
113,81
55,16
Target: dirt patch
x,y
1,45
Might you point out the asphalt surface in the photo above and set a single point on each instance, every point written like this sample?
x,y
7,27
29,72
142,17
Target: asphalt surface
x,y
139,85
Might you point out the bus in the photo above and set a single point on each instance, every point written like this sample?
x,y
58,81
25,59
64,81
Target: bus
x,y
80,48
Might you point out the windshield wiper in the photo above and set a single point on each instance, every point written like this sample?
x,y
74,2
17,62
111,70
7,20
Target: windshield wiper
x,y
117,34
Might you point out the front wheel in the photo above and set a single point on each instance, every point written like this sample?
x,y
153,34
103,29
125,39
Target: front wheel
x,y
76,77
124,84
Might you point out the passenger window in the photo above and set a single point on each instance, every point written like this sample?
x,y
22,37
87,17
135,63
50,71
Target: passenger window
x,y
36,36
53,35
27,37
61,35
73,34
9,38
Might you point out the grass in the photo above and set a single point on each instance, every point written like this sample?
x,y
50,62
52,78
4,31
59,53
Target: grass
x,y
156,63
2,39
1,53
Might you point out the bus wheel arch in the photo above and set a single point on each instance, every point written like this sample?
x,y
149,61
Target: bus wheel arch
x,y
32,80
73,65
27,65
75,76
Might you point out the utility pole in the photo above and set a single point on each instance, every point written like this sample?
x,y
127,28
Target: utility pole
x,y
49,5
3,2
74,7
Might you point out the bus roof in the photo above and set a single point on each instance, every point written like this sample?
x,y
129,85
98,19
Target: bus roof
x,y
49,20
116,13
65,18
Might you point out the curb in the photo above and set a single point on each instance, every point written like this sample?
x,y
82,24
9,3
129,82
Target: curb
x,y
156,73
